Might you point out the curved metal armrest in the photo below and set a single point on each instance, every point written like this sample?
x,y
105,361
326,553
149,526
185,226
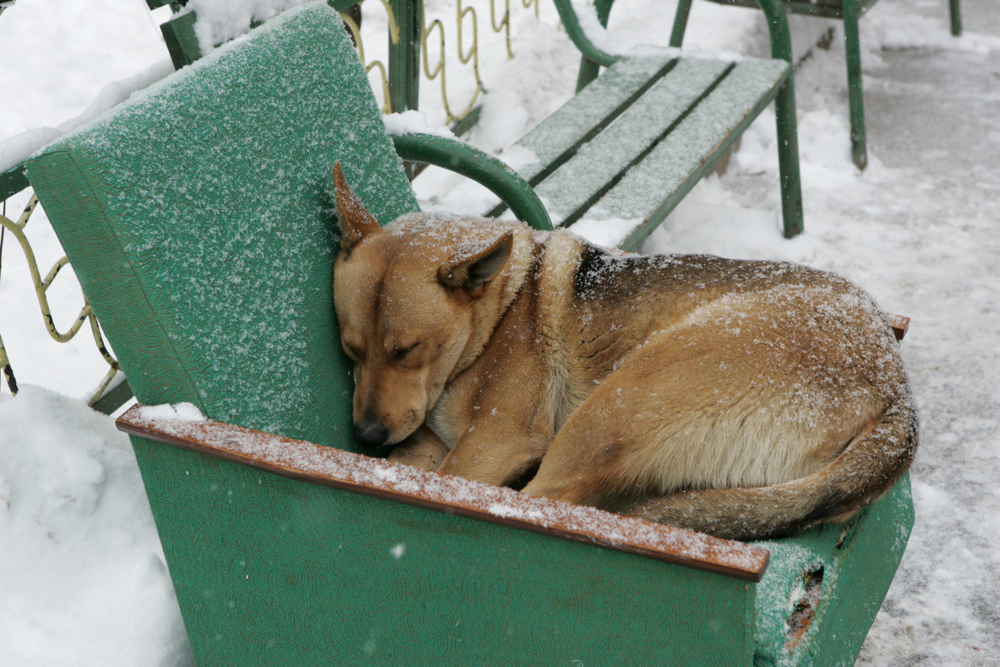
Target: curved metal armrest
x,y
774,10
485,169
777,25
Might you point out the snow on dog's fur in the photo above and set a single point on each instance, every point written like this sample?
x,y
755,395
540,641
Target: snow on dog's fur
x,y
742,399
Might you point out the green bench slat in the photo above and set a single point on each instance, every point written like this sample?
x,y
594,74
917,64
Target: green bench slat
x,y
657,184
598,162
590,111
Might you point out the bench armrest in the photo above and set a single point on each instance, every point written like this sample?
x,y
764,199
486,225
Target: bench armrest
x,y
347,471
485,169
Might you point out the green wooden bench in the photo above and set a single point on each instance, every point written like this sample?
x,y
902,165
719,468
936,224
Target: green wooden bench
x,y
198,217
625,150
848,11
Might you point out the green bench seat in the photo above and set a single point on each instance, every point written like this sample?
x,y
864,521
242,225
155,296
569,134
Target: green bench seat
x,y
623,152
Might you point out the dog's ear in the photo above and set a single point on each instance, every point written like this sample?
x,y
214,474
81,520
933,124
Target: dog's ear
x,y
473,271
355,222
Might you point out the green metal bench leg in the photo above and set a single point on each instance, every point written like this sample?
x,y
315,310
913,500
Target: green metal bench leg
x,y
784,111
404,56
680,23
588,72
589,69
852,44
788,160
956,17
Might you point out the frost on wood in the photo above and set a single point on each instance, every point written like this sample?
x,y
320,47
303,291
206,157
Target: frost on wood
x,y
560,131
185,412
624,141
334,467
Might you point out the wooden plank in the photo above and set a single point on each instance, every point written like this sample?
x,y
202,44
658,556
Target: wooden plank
x,y
655,186
556,138
900,324
602,162
399,483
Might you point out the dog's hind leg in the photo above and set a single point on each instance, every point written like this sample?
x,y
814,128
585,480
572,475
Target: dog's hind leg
x,y
694,408
644,417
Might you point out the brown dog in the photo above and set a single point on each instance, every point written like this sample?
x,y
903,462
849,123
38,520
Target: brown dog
x,y
742,399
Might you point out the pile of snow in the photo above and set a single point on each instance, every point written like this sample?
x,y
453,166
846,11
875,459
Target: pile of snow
x,y
82,574
222,20
16,149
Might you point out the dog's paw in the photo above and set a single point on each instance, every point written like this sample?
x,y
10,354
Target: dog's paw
x,y
416,459
422,450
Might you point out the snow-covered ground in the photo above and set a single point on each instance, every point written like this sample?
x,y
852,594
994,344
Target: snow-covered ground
x,y
82,578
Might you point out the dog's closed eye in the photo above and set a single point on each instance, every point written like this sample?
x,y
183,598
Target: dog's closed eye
x,y
400,352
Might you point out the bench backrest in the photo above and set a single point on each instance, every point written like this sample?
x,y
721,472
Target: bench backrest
x,y
200,220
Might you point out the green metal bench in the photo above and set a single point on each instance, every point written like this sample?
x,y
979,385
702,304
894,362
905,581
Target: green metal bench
x,y
848,11
198,217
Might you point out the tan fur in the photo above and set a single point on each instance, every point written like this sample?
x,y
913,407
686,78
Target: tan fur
x,y
743,399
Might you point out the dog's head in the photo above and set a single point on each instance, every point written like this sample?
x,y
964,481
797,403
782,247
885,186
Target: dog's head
x,y
416,304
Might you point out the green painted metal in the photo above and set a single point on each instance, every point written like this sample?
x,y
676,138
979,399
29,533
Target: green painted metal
x,y
471,162
588,68
181,39
849,11
114,398
784,110
571,22
404,56
176,5
852,42
832,9
680,23
471,119
858,561
182,43
313,579
12,182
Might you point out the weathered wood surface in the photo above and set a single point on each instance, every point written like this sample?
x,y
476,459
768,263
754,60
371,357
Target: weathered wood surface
x,y
392,481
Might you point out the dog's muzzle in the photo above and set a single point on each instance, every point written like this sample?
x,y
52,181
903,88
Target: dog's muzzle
x,y
370,431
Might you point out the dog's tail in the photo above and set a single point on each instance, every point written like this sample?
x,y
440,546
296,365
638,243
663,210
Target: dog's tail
x,y
867,468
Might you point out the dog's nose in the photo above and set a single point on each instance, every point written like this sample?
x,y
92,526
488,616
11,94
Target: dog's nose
x,y
371,432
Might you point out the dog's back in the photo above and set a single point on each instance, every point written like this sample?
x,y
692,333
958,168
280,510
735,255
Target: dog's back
x,y
732,375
